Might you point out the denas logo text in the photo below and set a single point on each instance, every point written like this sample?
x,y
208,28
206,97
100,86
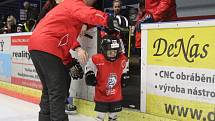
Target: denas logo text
x,y
190,51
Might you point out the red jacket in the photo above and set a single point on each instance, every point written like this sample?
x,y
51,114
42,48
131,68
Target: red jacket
x,y
162,10
57,32
138,33
138,39
108,87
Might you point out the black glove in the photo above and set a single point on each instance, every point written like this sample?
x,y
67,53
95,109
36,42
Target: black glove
x,y
119,23
147,19
76,71
90,78
124,79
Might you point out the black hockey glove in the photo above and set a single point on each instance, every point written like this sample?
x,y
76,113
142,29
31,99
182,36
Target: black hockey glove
x,y
76,71
118,23
90,78
147,19
124,79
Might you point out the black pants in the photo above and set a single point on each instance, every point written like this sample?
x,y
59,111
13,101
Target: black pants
x,y
110,107
54,77
68,83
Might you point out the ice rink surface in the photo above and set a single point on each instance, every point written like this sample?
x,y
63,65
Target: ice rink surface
x,y
13,109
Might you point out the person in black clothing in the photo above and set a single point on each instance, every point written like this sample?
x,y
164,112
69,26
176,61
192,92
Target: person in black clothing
x,y
46,8
31,12
31,15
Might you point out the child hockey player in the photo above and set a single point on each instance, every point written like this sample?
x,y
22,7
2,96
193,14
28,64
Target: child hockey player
x,y
108,73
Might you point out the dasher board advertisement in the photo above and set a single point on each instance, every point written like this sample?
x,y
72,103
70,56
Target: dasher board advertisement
x,y
180,72
23,71
5,59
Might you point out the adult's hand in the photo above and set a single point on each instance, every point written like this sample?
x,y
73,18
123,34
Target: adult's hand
x,y
82,55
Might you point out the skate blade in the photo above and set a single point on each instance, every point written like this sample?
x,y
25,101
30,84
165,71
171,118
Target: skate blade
x,y
71,112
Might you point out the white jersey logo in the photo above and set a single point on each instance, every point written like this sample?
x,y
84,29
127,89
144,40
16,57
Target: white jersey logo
x,y
112,79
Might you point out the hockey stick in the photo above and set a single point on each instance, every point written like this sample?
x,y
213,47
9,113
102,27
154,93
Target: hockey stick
x,y
129,42
129,47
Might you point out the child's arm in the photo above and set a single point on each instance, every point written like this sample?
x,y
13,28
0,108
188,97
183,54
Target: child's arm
x,y
125,76
125,70
90,73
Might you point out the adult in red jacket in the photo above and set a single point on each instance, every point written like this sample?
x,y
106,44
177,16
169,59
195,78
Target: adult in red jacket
x,y
161,10
49,45
154,11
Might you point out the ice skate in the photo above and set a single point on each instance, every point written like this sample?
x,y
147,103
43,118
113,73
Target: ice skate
x,y
70,109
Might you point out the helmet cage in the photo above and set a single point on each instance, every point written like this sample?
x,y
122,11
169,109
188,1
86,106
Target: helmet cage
x,y
110,47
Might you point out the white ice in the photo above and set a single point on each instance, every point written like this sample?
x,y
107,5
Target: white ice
x,y
13,109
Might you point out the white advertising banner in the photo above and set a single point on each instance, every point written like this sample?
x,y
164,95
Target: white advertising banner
x,y
23,71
